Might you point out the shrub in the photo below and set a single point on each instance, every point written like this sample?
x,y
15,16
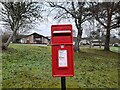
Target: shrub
x,y
5,37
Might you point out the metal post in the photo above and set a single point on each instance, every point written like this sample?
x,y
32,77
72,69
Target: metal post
x,y
63,83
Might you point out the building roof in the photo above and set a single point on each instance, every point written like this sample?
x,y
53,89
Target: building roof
x,y
24,36
36,34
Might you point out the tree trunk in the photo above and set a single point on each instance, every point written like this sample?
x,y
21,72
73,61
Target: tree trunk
x,y
76,46
14,38
5,45
79,28
100,44
77,41
107,40
90,46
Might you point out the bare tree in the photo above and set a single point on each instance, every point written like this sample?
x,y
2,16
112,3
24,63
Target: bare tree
x,y
105,13
75,10
17,15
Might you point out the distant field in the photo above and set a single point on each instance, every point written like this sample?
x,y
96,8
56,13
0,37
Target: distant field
x,y
25,66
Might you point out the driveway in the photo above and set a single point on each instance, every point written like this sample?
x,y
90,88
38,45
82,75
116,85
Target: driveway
x,y
32,44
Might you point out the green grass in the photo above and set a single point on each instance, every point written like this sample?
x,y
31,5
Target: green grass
x,y
0,69
30,67
115,49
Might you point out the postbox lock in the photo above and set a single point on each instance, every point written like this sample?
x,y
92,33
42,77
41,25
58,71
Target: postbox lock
x,y
62,46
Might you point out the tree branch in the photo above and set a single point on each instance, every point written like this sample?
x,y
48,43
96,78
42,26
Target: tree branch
x,y
115,26
58,6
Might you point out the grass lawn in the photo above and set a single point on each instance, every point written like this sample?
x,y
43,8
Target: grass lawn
x,y
115,49
25,66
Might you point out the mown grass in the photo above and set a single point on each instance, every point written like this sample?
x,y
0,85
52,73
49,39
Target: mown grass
x,y
30,67
0,63
115,49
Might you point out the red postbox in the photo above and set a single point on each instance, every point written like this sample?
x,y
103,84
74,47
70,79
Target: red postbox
x,y
62,50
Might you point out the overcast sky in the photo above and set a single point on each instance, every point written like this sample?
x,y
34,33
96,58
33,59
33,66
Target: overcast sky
x,y
44,28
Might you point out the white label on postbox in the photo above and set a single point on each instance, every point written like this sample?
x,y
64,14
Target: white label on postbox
x,y
62,58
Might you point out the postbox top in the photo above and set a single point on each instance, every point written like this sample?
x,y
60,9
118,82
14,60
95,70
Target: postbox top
x,y
64,27
61,34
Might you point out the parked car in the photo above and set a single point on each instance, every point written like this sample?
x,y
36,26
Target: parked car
x,y
84,42
95,43
116,45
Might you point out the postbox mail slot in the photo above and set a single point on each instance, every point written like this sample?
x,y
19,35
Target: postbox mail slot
x,y
61,33
62,37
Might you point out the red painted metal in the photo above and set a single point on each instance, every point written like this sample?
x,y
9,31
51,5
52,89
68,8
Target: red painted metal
x,y
62,40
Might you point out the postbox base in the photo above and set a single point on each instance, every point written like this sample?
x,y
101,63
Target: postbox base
x,y
63,75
